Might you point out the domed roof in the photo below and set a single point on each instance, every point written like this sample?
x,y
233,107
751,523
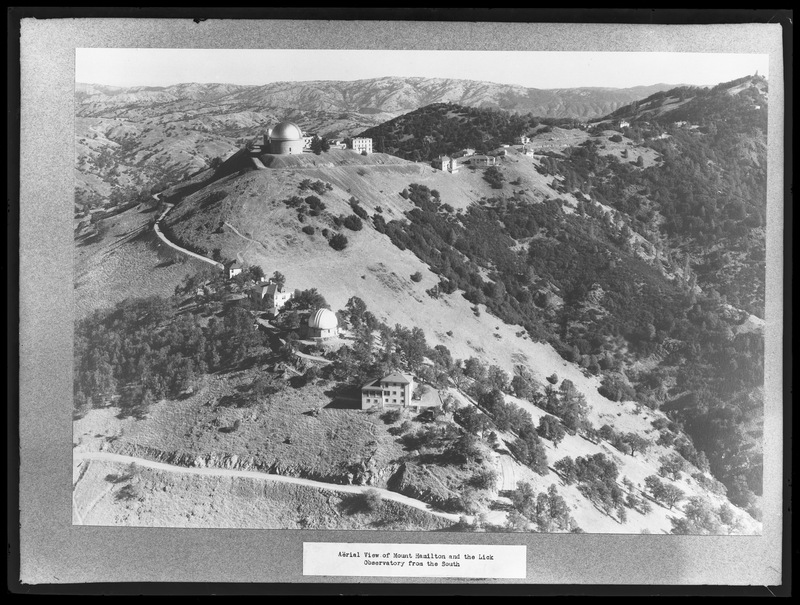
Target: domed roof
x,y
323,319
286,131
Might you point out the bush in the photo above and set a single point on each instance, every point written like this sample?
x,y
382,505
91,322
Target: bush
x,y
371,500
338,242
391,416
615,138
308,229
416,277
353,223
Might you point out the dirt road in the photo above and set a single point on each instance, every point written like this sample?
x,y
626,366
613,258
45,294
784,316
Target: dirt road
x,y
164,239
80,457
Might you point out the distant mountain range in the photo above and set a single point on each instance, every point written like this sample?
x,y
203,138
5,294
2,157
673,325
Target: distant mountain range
x,y
390,95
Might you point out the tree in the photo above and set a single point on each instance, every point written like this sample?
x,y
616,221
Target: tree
x,y
279,279
497,379
338,242
550,428
316,145
567,469
353,223
471,420
474,369
671,495
494,177
637,443
309,299
671,466
254,272
524,499
467,448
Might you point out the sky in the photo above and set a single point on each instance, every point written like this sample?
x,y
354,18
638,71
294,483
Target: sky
x,y
163,67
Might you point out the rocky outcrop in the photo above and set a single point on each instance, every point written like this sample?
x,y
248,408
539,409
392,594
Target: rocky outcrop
x,y
366,472
408,480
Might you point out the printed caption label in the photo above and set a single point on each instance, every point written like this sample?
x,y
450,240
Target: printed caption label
x,y
414,560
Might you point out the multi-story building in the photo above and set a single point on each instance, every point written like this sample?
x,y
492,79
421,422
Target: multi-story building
x,y
361,144
276,297
445,163
393,390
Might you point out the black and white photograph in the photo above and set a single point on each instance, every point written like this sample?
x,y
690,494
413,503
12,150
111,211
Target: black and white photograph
x,y
401,301
420,290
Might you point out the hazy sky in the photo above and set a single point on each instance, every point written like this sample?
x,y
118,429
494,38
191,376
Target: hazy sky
x,y
162,67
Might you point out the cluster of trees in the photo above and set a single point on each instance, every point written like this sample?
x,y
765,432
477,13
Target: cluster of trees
x,y
627,443
140,351
494,176
665,493
710,362
320,145
318,187
548,511
444,128
401,347
596,476
703,519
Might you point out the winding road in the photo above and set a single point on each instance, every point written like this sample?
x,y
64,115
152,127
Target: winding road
x,y
164,239
80,457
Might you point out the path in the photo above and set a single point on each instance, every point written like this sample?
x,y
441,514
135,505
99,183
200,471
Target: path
x,y
508,475
79,457
236,231
164,239
313,358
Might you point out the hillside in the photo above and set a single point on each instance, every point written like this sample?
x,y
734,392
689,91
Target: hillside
x,y
393,95
575,289
143,139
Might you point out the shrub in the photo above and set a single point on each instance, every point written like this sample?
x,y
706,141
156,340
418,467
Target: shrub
x,y
308,229
338,242
371,500
353,223
615,138
485,478
358,209
416,277
391,416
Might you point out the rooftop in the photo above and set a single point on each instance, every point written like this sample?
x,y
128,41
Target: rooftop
x,y
395,377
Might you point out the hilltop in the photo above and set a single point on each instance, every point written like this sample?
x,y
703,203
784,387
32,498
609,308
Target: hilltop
x,y
146,138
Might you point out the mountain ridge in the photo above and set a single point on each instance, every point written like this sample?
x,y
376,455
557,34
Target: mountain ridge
x,y
391,94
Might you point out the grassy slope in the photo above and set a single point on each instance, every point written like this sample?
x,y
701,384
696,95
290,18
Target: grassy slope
x,y
374,270
129,261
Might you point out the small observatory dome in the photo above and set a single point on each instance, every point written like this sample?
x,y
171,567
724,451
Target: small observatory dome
x,y
323,319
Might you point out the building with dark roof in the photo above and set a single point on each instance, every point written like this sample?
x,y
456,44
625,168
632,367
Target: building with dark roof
x,y
233,269
392,390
